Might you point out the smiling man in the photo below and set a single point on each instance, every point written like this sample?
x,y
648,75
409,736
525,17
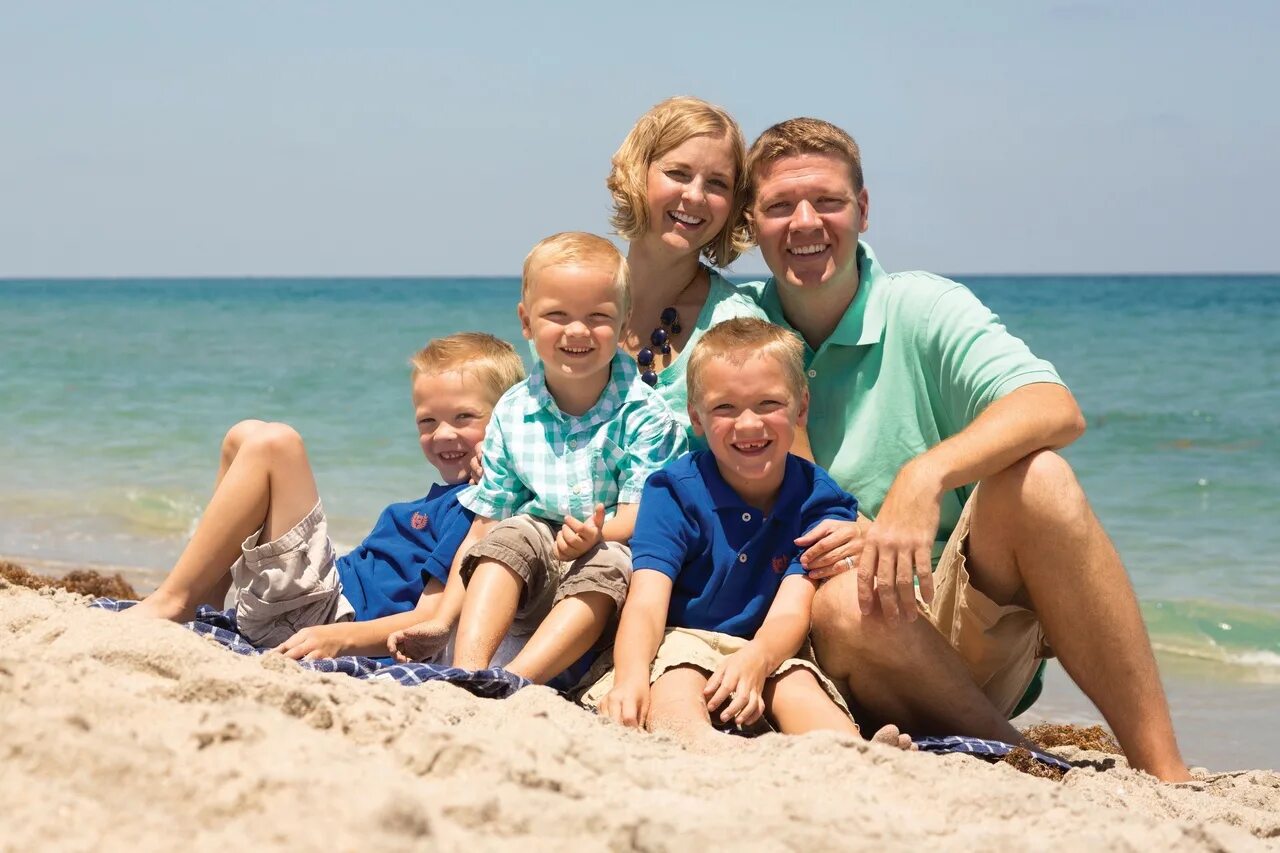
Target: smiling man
x,y
944,426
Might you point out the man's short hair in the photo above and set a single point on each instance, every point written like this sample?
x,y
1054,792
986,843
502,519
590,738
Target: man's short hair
x,y
667,126
492,361
577,248
743,338
801,136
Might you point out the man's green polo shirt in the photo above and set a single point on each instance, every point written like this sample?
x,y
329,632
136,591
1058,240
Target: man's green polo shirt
x,y
914,360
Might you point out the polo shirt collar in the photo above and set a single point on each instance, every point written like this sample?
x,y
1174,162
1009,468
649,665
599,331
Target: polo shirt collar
x,y
619,390
723,497
863,321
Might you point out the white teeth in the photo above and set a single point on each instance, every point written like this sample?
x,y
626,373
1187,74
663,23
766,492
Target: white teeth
x,y
452,455
808,250
576,350
685,218
751,445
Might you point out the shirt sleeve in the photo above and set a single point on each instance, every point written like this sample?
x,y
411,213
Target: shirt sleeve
x,y
448,539
500,492
664,531
657,441
827,500
973,357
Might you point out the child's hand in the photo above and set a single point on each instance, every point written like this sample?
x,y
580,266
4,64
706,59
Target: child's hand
x,y
421,642
578,537
832,547
627,704
314,643
740,680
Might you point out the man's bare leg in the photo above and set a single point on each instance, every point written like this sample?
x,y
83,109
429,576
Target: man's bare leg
x,y
266,484
493,596
1036,542
677,707
569,630
906,673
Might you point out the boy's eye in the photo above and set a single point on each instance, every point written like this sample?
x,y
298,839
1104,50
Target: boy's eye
x,y
555,315
602,318
426,422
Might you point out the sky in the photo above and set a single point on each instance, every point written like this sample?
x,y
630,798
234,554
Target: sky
x,y
429,138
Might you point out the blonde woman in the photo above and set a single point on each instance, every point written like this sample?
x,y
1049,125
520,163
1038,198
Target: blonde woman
x,y
678,192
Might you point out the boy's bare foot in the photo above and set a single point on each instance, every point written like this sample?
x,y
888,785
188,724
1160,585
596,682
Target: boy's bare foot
x,y
420,642
156,606
890,736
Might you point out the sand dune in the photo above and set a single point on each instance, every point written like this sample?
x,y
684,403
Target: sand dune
x,y
121,735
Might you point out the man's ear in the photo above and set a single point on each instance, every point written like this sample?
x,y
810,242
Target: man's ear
x,y
864,207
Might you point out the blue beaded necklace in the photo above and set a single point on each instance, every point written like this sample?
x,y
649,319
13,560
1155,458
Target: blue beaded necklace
x,y
660,338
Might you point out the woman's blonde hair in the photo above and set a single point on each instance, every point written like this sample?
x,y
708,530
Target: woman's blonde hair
x,y
669,125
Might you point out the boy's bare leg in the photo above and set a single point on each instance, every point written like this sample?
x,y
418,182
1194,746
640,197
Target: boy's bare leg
x,y
796,703
231,444
268,484
677,707
493,596
569,630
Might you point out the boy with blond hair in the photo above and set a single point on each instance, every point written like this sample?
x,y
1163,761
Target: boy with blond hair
x,y
718,610
565,461
264,532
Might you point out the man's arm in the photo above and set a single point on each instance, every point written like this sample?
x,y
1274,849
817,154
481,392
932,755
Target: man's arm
x,y
1040,416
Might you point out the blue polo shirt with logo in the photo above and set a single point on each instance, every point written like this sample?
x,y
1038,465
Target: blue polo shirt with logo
x,y
726,559
411,543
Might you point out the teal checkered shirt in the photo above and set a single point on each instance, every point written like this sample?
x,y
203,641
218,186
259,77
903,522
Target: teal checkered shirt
x,y
542,462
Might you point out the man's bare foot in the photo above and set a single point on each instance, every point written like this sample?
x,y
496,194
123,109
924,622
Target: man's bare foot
x,y
420,642
890,736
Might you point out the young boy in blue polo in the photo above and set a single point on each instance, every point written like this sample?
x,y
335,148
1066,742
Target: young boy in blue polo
x,y
719,605
565,462
264,531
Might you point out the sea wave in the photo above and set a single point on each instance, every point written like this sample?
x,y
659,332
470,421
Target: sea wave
x,y
1244,640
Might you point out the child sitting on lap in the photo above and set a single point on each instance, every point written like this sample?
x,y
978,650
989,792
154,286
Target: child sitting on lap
x,y
264,531
719,604
565,461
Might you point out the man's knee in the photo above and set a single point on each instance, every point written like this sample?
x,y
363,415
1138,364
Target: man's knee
x,y
839,628
1043,484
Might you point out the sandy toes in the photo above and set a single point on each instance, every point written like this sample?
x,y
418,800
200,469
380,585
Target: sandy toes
x,y
890,736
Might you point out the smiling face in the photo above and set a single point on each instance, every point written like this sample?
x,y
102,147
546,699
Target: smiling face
x,y
573,313
690,193
806,218
749,413
452,409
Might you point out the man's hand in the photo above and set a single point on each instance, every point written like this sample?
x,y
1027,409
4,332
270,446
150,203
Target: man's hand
x,y
740,680
627,704
899,546
314,643
831,548
578,537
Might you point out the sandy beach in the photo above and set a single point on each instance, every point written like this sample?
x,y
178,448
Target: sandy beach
x,y
144,736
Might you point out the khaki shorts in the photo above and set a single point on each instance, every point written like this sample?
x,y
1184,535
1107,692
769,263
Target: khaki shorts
x,y
1001,645
702,650
526,545
288,584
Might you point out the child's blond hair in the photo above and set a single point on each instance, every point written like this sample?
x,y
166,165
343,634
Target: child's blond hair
x,y
743,338
577,248
492,361
667,126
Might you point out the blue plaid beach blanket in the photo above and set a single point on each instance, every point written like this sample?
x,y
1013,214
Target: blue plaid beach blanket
x,y
220,625
494,683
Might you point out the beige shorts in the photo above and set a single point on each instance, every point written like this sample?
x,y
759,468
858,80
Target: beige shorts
x,y
702,650
1001,645
288,584
526,545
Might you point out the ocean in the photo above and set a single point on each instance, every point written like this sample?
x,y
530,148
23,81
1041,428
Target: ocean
x,y
115,393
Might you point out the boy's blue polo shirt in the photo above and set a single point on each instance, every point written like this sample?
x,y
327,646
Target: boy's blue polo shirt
x,y
411,542
725,558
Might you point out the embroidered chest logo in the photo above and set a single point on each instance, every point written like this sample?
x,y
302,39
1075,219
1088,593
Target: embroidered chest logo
x,y
779,564
419,521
